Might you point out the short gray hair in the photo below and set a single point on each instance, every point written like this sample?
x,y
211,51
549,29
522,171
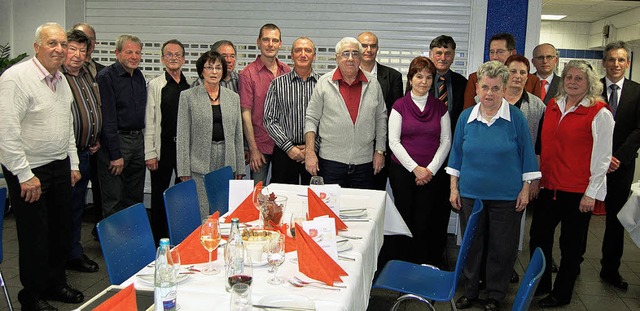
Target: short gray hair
x,y
594,89
614,46
493,69
303,38
346,41
42,27
124,38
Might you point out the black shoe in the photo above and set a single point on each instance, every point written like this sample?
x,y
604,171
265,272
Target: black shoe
x,y
37,305
614,279
552,301
83,264
464,302
66,294
482,285
514,277
541,291
491,305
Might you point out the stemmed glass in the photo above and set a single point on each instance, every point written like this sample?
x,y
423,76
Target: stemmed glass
x,y
275,257
296,218
175,257
258,198
210,239
316,180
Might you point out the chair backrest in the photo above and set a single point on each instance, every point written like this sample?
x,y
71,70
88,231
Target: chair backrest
x,y
467,240
3,201
127,242
217,185
183,210
530,281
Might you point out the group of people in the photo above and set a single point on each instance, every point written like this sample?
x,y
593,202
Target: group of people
x,y
69,119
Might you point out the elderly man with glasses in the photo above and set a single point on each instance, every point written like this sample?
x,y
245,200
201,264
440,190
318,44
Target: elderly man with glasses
x,y
348,113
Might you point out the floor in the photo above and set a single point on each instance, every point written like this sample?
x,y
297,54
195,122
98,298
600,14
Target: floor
x,y
590,293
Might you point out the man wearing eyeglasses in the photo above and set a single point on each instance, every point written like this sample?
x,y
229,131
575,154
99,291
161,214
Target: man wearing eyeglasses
x,y
252,87
228,52
161,118
545,59
348,113
501,46
391,83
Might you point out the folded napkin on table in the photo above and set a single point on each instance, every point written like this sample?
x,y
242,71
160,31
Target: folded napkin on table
x,y
318,208
191,249
124,300
246,211
314,262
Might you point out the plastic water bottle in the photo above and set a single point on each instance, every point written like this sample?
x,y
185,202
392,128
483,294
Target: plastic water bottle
x,y
165,289
234,254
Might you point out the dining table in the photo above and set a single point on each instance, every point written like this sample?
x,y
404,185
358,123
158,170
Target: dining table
x,y
629,214
198,291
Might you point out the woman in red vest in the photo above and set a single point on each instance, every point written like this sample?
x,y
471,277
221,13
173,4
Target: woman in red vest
x,y
575,155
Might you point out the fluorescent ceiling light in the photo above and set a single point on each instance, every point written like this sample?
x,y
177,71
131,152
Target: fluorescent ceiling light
x,y
551,17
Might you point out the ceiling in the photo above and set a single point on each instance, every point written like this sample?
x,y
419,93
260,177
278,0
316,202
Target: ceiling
x,y
587,10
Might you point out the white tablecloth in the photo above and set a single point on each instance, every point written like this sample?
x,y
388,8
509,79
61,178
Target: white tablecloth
x,y
629,215
205,292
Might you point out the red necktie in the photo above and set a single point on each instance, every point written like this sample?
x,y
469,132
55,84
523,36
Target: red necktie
x,y
543,92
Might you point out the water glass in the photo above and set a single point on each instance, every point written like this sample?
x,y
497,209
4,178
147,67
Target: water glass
x,y
241,297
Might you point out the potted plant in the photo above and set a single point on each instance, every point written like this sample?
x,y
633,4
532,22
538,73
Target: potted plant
x,y
5,60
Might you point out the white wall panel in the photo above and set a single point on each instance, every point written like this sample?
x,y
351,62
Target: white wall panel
x,y
404,27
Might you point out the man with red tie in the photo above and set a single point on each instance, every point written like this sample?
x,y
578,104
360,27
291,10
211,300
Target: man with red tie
x,y
545,59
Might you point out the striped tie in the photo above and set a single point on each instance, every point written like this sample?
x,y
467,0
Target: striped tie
x,y
442,90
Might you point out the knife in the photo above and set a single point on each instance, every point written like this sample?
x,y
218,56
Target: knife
x,y
283,308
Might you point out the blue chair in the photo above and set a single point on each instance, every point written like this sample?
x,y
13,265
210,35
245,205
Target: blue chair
x,y
424,282
3,195
217,185
183,210
530,281
127,242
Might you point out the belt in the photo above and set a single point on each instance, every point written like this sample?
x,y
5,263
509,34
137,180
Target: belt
x,y
130,132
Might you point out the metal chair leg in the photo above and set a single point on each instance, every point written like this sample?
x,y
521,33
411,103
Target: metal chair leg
x,y
453,305
409,297
6,292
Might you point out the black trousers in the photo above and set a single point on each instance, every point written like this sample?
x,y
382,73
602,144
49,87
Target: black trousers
x,y
560,207
618,190
380,179
160,181
44,229
284,170
359,176
95,187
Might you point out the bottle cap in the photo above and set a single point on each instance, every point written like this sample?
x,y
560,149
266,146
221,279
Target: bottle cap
x,y
164,242
235,220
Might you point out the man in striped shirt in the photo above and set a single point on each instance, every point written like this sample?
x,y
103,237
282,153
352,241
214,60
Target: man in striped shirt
x,y
87,123
284,111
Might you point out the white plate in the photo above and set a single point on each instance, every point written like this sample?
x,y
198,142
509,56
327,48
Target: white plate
x,y
353,213
344,246
262,262
292,301
149,278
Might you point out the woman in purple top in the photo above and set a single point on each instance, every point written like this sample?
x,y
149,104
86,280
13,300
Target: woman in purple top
x,y
420,139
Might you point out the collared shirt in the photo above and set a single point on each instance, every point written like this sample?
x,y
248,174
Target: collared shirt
x,y
50,79
548,84
169,105
124,99
351,93
231,84
253,85
285,108
87,116
91,66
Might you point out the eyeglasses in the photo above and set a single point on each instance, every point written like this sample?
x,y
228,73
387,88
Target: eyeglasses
x,y
372,46
212,68
171,55
354,54
545,57
500,51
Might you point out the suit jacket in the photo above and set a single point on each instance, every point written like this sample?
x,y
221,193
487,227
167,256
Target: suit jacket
x,y
456,99
391,83
195,131
626,133
553,89
532,86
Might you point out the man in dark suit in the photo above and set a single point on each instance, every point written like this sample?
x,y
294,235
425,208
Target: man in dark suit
x,y
391,83
623,96
545,59
447,85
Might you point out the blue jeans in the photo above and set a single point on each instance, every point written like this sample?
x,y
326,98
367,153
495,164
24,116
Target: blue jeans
x,y
79,199
346,175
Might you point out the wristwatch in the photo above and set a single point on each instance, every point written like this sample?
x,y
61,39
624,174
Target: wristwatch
x,y
380,152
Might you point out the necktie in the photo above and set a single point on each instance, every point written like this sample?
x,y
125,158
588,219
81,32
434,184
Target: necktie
x,y
442,91
543,91
613,98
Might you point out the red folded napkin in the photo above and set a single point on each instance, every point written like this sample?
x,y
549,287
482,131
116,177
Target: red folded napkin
x,y
246,211
191,249
289,242
318,208
314,262
124,300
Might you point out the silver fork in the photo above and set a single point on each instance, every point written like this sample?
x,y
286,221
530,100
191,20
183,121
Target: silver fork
x,y
301,281
312,285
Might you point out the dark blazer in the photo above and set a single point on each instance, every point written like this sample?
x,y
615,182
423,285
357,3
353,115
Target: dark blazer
x,y
391,83
458,83
626,133
553,89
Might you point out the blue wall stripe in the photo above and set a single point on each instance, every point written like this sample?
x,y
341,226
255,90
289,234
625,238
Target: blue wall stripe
x,y
507,16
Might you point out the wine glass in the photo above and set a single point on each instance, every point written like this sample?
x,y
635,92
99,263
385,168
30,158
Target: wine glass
x,y
210,239
258,198
296,218
275,257
316,180
242,273
175,258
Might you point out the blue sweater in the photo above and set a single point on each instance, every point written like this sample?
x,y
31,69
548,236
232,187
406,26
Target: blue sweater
x,y
492,159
